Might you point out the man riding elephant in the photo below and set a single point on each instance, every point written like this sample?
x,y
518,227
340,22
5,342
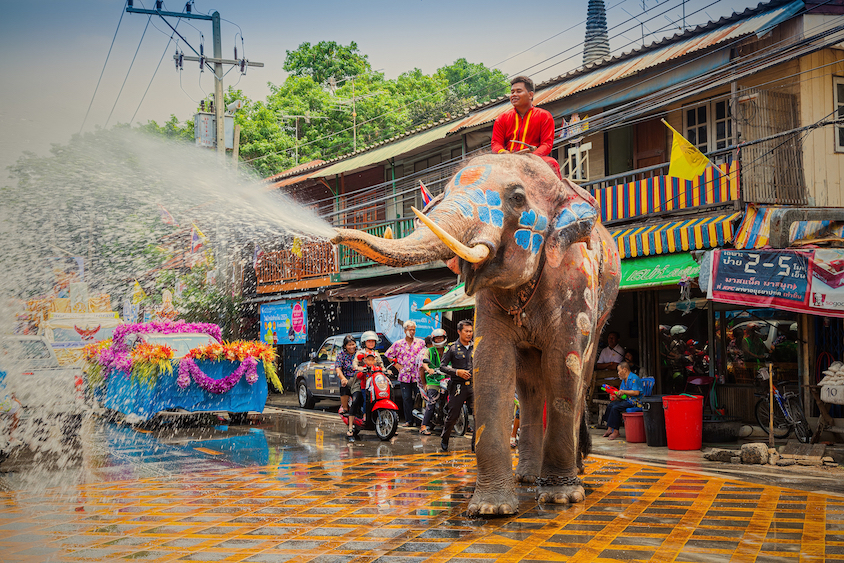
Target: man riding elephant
x,y
545,274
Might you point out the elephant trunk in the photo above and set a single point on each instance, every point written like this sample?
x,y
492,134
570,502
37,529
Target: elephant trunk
x,y
419,247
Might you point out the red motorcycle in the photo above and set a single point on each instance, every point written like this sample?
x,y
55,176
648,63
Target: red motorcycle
x,y
382,414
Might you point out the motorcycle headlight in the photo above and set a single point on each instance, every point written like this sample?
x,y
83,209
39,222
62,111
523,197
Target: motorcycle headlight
x,y
382,383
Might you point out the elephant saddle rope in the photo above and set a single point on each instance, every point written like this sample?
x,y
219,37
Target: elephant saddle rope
x,y
523,295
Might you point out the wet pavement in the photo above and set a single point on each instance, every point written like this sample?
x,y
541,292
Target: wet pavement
x,y
290,488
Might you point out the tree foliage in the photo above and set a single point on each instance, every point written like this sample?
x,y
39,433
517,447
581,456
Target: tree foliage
x,y
362,106
325,60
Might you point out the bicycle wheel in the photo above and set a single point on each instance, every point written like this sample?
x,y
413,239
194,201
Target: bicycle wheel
x,y
781,426
801,425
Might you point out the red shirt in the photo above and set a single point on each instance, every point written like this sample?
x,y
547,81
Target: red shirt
x,y
535,128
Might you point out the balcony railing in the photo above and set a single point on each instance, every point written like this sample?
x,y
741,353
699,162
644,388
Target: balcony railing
x,y
350,259
312,260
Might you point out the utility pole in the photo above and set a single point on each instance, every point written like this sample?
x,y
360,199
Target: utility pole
x,y
307,117
218,60
332,85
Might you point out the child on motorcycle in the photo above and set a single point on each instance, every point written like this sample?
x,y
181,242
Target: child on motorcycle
x,y
369,359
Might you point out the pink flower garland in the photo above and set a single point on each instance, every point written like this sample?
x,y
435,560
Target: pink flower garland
x,y
116,357
189,370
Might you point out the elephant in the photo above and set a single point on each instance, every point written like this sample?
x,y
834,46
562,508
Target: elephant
x,y
545,274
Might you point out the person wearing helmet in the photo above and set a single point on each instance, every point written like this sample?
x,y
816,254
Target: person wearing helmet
x,y
368,340
430,366
405,356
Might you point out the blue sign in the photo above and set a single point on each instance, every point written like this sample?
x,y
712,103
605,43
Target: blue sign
x,y
762,276
392,312
285,322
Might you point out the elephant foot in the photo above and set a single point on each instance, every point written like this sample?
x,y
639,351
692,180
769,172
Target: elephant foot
x,y
560,490
493,504
527,479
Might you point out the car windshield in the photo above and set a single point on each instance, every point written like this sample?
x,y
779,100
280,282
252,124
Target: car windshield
x,y
180,343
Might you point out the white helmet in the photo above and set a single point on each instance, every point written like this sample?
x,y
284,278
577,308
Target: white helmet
x,y
677,329
438,333
369,335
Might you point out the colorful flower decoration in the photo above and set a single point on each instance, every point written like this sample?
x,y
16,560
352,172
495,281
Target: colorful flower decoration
x,y
147,362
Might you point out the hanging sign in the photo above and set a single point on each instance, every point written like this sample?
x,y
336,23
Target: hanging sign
x,y
285,322
805,281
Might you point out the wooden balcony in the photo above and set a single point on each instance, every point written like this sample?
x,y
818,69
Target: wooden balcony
x,y
348,258
285,270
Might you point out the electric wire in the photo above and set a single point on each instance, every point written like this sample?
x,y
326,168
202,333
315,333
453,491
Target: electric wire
x,y
417,100
122,11
450,162
153,74
128,71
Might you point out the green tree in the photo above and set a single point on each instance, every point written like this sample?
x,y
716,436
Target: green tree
x,y
474,81
326,59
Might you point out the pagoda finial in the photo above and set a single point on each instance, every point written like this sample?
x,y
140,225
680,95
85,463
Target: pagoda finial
x,y
597,44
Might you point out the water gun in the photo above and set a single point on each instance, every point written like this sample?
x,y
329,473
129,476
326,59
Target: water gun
x,y
614,392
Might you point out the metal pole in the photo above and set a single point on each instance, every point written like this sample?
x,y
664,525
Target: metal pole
x,y
236,145
771,405
219,105
354,120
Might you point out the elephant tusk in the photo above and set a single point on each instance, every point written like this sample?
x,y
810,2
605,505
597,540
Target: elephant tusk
x,y
388,232
477,253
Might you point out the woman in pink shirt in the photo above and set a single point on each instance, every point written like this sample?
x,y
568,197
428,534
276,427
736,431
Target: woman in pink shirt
x,y
405,356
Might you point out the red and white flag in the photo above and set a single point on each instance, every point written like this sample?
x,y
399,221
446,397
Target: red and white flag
x,y
426,195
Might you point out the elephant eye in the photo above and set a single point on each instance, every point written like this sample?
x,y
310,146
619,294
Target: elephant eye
x,y
518,199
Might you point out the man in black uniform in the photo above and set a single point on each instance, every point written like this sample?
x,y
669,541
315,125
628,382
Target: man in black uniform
x,y
457,364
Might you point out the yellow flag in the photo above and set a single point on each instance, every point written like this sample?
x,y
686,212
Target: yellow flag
x,y
297,247
687,162
138,294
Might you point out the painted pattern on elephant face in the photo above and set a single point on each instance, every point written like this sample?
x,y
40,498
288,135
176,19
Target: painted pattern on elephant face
x,y
475,202
532,237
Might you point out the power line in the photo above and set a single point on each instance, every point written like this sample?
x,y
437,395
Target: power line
x,y
128,71
122,11
154,73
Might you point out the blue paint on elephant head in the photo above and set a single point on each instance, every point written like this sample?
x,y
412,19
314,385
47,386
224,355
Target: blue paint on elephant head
x,y
576,212
487,203
527,219
584,210
532,237
522,237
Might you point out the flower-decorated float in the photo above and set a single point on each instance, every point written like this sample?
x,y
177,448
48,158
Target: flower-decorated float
x,y
148,368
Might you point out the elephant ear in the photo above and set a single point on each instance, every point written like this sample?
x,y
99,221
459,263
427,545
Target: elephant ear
x,y
573,223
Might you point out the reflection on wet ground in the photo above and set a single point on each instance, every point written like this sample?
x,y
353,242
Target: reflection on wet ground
x,y
272,494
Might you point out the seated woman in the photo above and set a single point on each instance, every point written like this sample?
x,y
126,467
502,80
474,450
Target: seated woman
x,y
631,386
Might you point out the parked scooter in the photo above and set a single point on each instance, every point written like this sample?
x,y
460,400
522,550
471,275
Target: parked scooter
x,y
381,413
441,409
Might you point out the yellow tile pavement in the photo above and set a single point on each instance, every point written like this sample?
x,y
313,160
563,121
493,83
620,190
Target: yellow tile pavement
x,y
406,509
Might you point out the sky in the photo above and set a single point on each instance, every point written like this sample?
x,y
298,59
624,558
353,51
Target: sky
x,y
53,51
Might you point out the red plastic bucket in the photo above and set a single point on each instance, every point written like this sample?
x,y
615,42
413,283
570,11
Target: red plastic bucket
x,y
683,421
634,426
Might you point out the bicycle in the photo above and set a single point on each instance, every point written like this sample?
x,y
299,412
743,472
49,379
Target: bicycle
x,y
788,414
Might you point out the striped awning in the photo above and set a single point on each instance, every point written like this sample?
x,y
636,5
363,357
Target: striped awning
x,y
709,231
755,229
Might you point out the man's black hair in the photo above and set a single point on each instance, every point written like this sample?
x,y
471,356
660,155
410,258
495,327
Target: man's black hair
x,y
615,332
524,80
464,322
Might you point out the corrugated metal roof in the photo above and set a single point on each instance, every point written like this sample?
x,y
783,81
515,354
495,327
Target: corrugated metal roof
x,y
296,169
386,152
632,63
387,289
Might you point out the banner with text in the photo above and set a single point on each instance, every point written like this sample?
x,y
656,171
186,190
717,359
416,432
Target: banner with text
x,y
805,281
285,322
392,312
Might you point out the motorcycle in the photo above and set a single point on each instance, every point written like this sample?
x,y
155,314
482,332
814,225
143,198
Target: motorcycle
x,y
441,409
381,413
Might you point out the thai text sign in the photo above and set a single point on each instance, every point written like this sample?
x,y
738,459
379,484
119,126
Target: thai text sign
x,y
285,322
806,281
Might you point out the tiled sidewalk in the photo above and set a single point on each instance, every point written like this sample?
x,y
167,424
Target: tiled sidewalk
x,y
410,508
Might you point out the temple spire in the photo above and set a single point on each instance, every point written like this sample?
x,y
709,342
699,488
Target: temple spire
x,y
597,44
